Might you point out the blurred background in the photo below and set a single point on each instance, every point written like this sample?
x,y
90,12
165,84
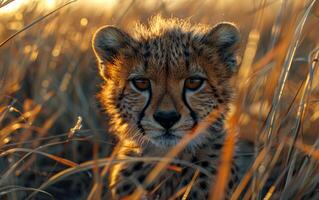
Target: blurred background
x,y
50,119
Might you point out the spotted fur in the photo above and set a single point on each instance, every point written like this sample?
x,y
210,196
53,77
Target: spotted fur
x,y
166,52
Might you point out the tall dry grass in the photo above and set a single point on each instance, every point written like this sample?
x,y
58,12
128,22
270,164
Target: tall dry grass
x,y
53,135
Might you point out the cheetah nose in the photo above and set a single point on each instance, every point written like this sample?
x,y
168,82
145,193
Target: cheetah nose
x,y
167,119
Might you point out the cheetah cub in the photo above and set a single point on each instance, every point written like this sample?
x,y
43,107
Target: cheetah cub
x,y
161,82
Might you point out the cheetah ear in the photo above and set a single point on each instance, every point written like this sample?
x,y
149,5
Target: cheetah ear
x,y
225,37
109,44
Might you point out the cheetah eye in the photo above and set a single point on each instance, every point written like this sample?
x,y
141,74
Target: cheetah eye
x,y
141,84
193,83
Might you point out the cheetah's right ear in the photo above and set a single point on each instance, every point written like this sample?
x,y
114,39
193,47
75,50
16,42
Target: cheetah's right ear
x,y
225,37
109,43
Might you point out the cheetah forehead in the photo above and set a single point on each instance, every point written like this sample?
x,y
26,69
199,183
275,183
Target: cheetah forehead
x,y
167,45
158,26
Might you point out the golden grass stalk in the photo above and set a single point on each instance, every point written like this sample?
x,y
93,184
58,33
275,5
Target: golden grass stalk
x,y
276,79
35,22
106,161
5,2
190,185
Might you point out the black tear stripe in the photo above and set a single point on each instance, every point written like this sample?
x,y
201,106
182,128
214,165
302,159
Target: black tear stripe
x,y
146,54
142,114
192,113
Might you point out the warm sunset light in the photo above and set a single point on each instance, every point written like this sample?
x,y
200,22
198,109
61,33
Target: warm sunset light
x,y
16,4
159,99
12,6
49,4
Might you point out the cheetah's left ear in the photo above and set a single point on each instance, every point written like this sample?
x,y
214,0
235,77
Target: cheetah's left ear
x,y
225,37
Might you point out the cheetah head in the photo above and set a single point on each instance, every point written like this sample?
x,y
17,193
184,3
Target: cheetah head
x,y
163,80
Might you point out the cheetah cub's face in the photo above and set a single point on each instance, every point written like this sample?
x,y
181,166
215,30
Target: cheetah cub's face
x,y
166,79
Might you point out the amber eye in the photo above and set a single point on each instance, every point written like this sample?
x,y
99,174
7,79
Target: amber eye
x,y
193,83
141,84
